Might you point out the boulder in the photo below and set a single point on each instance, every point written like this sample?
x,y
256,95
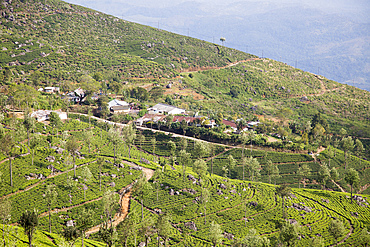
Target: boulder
x,y
253,204
229,236
172,192
69,223
222,186
191,225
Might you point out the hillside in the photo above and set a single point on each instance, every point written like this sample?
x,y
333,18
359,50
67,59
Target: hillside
x,y
237,206
66,41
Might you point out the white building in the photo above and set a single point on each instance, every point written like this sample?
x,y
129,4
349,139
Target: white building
x,y
163,108
43,115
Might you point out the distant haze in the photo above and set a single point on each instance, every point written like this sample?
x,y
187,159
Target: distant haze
x,y
329,37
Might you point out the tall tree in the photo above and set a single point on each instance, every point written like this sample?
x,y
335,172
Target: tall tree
x,y
289,233
72,147
359,149
184,161
141,139
303,171
157,177
251,136
253,167
29,221
334,174
253,239
142,188
86,176
55,121
283,191
70,234
204,199
147,229
200,149
108,234
243,139
215,233
163,226
200,168
230,165
89,136
7,145
85,220
324,174
100,162
129,135
114,138
352,179
336,229
50,197
5,214
347,145
153,141
34,143
29,124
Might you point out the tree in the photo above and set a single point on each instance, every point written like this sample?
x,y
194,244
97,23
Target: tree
x,y
243,139
289,233
146,229
352,179
200,168
163,226
5,214
85,221
334,174
230,164
359,149
50,197
172,147
153,141
55,120
156,93
24,94
330,154
129,135
86,175
34,143
89,136
304,171
324,174
108,234
37,77
283,191
347,145
336,229
141,138
200,149
253,167
204,199
364,238
215,233
72,147
317,242
29,123
29,221
253,239
251,136
222,39
142,188
100,161
114,138
7,145
115,87
158,175
184,159
70,233
129,226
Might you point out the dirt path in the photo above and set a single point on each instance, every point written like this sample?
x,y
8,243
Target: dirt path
x,y
124,200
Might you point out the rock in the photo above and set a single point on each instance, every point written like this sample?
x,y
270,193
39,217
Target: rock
x,y
172,192
244,189
192,191
219,192
50,158
292,221
142,160
192,178
113,184
229,236
177,193
191,225
113,175
307,209
253,204
142,244
69,223
138,168
233,191
222,186
157,210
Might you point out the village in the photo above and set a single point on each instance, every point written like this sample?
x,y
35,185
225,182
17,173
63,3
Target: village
x,y
157,115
